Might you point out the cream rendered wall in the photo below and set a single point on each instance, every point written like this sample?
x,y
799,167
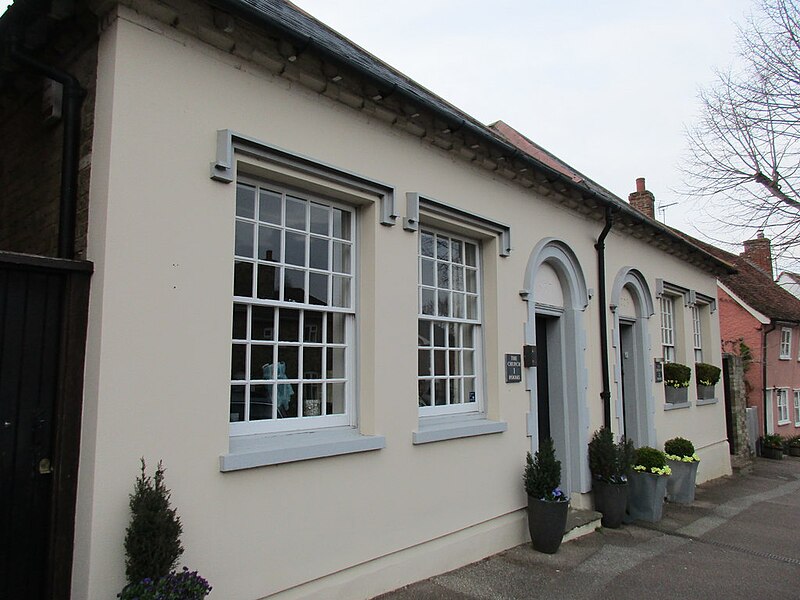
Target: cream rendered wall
x,y
161,237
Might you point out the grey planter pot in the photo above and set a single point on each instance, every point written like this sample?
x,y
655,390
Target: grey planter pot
x,y
681,484
546,524
794,450
646,496
610,499
676,395
706,392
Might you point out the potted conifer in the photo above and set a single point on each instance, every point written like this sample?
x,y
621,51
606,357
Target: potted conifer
x,y
676,382
648,484
547,504
153,546
683,461
707,377
610,464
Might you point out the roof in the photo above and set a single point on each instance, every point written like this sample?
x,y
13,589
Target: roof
x,y
754,286
503,150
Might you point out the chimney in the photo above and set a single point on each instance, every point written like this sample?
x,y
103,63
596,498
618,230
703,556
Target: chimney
x,y
759,252
642,200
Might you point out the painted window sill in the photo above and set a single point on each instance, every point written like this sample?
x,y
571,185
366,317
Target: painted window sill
x,y
706,401
250,451
786,422
437,429
676,406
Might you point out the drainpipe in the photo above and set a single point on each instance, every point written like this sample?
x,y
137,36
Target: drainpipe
x,y
73,95
600,246
764,332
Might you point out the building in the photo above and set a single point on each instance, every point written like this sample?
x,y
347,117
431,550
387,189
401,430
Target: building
x,y
337,307
790,282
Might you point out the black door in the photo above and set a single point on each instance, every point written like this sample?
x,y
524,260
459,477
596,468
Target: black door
x,y
30,335
542,382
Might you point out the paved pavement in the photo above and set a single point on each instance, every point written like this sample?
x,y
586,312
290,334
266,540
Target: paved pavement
x,y
740,539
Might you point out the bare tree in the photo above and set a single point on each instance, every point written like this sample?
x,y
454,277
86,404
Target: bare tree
x,y
744,153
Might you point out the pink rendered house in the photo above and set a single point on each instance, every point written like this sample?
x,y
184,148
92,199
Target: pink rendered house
x,y
758,314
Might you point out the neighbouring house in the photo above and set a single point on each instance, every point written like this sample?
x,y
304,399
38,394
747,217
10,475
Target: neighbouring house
x,y
790,281
269,214
761,320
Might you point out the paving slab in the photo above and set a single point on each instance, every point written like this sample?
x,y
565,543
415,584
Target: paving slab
x,y
739,539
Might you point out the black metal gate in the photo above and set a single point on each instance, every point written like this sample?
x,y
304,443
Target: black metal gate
x,y
43,307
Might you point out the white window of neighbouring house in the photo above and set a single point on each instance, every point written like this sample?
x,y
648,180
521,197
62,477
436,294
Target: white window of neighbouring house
x,y
797,408
449,335
293,311
782,402
697,334
668,328
786,343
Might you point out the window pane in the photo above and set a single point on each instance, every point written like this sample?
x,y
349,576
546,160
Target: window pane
x,y
424,333
455,391
471,254
440,362
455,251
442,248
261,402
440,392
269,243
469,362
244,239
312,399
245,201
263,326
320,219
288,367
443,275
237,403
336,328
458,278
341,292
289,325
341,224
426,244
444,304
294,285
469,390
268,282
296,213
341,257
424,394
318,254
269,207
428,302
261,357
242,279
295,249
318,289
459,306
239,321
312,326
424,362
453,335
427,272
467,336
439,334
312,363
335,363
286,400
454,364
335,399
238,360
472,281
472,307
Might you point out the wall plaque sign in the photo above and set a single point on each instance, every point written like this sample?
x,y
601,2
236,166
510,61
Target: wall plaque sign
x,y
513,368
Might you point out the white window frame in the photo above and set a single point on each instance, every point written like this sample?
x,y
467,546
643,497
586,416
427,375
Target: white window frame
x,y
249,381
667,309
697,333
428,347
797,408
786,343
782,405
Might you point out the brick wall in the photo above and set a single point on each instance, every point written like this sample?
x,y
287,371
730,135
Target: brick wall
x,y
30,158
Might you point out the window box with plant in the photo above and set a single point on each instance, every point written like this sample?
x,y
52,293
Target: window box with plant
x,y
772,446
547,504
610,464
648,484
707,377
793,446
676,382
683,461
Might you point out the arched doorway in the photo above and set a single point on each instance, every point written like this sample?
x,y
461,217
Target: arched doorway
x,y
632,306
555,291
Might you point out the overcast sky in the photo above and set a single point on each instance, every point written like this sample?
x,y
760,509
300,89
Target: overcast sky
x,y
608,86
